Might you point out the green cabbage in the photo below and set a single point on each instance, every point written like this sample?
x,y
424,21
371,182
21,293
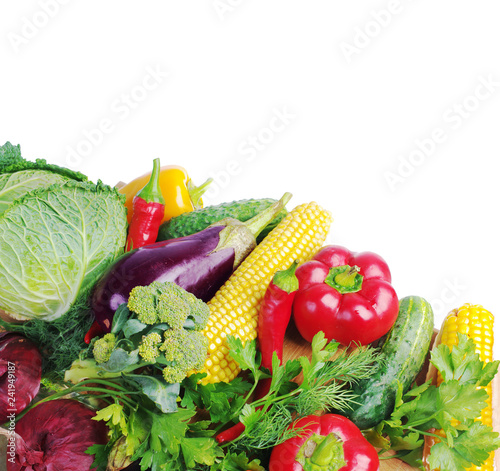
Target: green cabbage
x,y
11,161
55,242
19,176
14,185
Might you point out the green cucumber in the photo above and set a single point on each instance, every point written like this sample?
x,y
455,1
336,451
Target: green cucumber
x,y
188,223
403,353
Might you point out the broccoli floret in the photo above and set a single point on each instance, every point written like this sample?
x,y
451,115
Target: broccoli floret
x,y
172,310
199,312
167,337
103,348
170,304
148,348
184,350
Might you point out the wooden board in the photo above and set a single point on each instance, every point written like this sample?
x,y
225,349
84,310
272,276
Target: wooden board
x,y
295,346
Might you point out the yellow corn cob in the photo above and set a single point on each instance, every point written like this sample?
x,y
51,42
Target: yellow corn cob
x,y
477,323
234,308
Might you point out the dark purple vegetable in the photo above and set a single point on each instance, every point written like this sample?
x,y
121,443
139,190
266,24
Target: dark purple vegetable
x,y
200,263
20,374
54,436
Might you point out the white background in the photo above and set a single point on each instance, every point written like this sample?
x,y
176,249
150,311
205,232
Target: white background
x,y
361,88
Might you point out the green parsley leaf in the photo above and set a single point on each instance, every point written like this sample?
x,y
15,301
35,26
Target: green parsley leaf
x,y
453,407
459,401
444,457
476,443
200,450
218,406
463,363
113,416
319,356
100,453
167,430
245,355
139,426
237,462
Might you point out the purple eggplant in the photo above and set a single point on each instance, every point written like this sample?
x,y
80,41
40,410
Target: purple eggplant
x,y
200,263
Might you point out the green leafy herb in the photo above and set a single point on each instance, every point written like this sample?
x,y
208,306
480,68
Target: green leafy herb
x,y
266,420
237,462
453,407
245,355
222,401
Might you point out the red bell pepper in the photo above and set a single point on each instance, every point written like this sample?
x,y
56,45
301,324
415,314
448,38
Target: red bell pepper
x,y
346,295
329,442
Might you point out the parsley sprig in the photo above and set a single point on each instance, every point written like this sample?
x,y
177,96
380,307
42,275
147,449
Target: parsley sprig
x,y
453,407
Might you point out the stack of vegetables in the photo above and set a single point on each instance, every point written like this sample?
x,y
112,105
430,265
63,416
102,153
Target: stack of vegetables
x,y
145,331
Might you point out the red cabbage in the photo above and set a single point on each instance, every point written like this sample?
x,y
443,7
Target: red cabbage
x,y
54,435
20,374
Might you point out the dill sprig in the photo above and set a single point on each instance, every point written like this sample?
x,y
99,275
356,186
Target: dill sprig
x,y
322,388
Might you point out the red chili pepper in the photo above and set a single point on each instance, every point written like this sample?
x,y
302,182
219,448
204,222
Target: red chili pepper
x,y
232,433
329,442
149,207
274,317
94,331
347,295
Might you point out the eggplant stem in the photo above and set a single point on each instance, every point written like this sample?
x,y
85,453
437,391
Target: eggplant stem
x,y
258,223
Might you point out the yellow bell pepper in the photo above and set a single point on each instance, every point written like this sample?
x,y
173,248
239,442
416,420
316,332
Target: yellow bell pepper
x,y
179,192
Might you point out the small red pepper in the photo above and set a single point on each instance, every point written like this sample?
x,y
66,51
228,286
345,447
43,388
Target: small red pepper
x,y
274,316
345,294
329,442
148,210
94,331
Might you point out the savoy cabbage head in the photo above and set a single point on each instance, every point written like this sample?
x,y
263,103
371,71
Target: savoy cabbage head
x,y
58,233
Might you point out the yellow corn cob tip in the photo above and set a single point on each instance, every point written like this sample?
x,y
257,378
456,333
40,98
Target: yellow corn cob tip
x,y
235,307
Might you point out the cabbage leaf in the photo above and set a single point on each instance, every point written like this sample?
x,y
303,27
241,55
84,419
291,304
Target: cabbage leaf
x,y
12,161
55,243
14,185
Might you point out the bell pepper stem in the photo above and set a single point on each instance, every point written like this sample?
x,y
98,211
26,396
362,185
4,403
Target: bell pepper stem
x,y
322,452
196,192
151,192
345,279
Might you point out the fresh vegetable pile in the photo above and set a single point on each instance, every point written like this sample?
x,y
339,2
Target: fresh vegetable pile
x,y
144,331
